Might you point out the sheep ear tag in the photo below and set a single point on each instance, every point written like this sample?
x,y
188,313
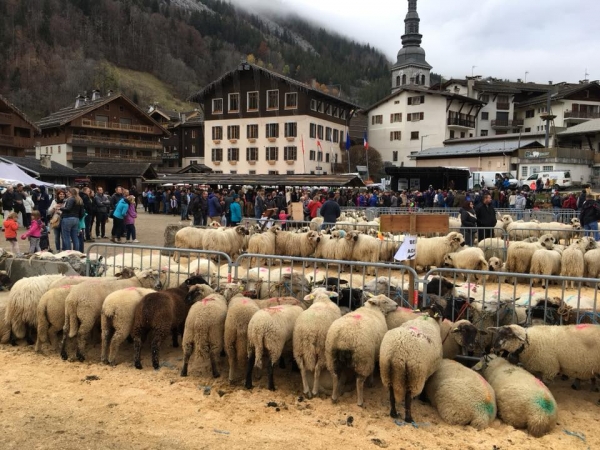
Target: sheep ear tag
x,y
478,367
370,295
380,235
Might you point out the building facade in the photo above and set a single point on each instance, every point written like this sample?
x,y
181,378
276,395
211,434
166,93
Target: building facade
x,y
16,130
101,129
259,122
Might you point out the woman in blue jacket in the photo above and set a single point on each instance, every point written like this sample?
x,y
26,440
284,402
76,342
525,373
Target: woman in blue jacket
x,y
236,211
118,220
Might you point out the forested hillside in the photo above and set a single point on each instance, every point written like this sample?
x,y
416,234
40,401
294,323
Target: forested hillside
x,y
52,50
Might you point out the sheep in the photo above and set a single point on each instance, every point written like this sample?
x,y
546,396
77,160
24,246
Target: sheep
x,y
83,306
561,231
327,245
572,262
353,342
240,311
592,263
545,262
21,310
520,230
230,241
547,350
4,326
316,223
431,251
518,259
189,238
408,356
162,313
523,401
495,265
445,389
467,259
204,329
263,244
310,332
493,247
296,244
366,249
117,320
269,331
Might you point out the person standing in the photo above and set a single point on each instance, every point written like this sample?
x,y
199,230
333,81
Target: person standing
x,y
150,199
314,206
330,211
129,221
88,206
556,205
259,204
215,207
18,205
118,220
184,202
10,232
589,216
72,212
468,222
8,199
28,205
115,199
43,204
102,202
486,218
235,211
520,204
55,208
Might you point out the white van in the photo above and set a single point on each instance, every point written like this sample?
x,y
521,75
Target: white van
x,y
489,179
550,180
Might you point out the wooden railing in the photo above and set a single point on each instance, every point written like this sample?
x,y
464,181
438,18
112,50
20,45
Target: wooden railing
x,y
102,140
503,106
4,139
506,123
116,126
112,156
581,115
470,123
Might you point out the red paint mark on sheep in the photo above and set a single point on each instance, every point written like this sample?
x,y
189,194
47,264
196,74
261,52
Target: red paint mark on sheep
x,y
206,300
244,302
405,309
582,326
356,316
132,288
274,309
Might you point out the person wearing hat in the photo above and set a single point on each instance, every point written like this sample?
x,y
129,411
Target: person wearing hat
x,y
235,210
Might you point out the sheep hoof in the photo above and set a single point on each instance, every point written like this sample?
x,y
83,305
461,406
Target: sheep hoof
x,y
64,356
80,357
564,377
248,385
576,385
216,374
394,414
308,395
138,365
408,419
30,341
334,400
155,366
183,373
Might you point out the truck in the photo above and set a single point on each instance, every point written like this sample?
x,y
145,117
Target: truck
x,y
488,179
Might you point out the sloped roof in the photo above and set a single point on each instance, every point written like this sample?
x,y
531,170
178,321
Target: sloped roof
x,y
19,113
65,115
589,127
477,149
34,166
422,90
198,97
564,91
262,180
195,168
122,169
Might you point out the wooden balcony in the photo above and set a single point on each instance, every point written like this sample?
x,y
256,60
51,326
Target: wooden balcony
x,y
503,124
5,118
16,141
455,122
113,155
503,106
114,142
116,126
582,115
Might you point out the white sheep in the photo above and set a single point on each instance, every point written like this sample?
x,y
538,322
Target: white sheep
x,y
310,333
467,259
572,262
545,262
117,320
83,306
315,224
493,247
446,391
263,244
495,265
518,259
408,356
189,238
296,244
353,342
23,300
366,249
204,330
561,231
239,312
592,263
269,331
230,241
520,230
547,350
431,251
523,401
4,326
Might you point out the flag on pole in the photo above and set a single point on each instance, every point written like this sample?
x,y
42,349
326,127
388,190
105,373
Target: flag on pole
x,y
366,142
348,142
302,141
319,145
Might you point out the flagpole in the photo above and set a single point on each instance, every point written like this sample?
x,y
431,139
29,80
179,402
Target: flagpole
x,y
303,155
348,145
367,152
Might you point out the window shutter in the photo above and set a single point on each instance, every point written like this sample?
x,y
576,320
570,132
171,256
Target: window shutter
x,y
422,99
422,116
408,117
410,100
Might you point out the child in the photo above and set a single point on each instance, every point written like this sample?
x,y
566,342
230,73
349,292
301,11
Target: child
x,y
34,233
10,232
174,205
283,217
130,220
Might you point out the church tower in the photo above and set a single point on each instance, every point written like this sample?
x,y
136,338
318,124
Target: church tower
x,y
411,67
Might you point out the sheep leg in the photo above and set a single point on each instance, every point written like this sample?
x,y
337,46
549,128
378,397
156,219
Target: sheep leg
x,y
84,331
137,350
594,387
154,347
304,375
317,375
231,357
214,357
249,367
115,343
576,384
107,335
63,345
335,394
29,334
53,336
282,363
360,385
393,411
407,406
188,349
270,381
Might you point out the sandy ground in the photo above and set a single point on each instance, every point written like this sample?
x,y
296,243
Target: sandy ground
x,y
49,403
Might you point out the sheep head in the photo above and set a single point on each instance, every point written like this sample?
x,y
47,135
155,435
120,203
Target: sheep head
x,y
214,224
320,294
196,292
495,264
456,240
509,338
506,219
448,262
126,273
313,236
547,241
241,230
385,304
465,334
151,278
575,222
195,279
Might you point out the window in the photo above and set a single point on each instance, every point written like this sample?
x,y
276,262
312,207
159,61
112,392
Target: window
x,y
234,103
528,130
416,100
329,109
102,119
547,168
233,172
321,107
252,131
485,98
59,147
462,134
290,153
252,172
414,135
193,149
217,106
291,129
313,131
313,105
524,171
395,135
343,115
272,153
485,116
233,132
320,131
312,155
451,134
404,79
395,156
328,134
319,156
530,113
290,172
336,136
233,154
484,132
193,134
326,157
272,130
336,112
273,172
397,117
217,133
252,98
398,80
376,120
252,154
291,100
415,117
217,154
273,99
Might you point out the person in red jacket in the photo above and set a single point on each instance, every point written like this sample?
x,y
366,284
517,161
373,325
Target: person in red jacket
x,y
10,232
314,206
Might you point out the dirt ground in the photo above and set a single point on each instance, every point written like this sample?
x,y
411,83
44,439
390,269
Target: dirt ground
x,y
49,403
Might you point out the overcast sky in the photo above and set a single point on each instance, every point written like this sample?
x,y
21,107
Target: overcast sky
x,y
551,39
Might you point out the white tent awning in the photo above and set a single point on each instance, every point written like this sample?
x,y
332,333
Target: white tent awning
x,y
12,174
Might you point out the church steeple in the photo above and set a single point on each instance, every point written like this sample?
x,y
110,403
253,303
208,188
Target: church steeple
x,y
411,67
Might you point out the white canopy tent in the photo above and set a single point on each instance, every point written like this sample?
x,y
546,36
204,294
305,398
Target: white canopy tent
x,y
11,174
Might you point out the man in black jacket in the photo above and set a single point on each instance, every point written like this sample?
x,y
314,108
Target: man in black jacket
x,y
486,217
330,211
7,202
589,216
89,209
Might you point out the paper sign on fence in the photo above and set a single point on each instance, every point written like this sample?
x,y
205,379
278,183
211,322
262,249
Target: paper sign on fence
x,y
408,249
